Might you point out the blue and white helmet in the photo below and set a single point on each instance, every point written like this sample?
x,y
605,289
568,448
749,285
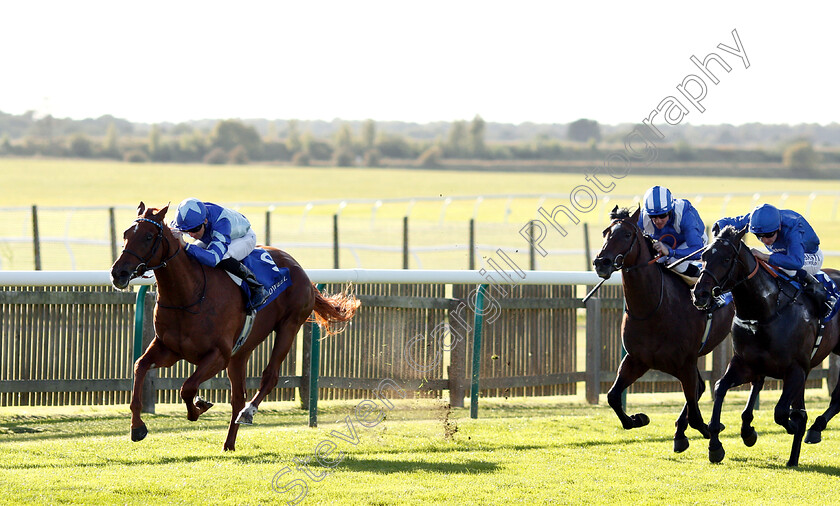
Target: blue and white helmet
x,y
658,200
191,213
765,219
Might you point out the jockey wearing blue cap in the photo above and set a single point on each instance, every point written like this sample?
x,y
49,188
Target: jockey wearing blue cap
x,y
667,219
224,237
794,246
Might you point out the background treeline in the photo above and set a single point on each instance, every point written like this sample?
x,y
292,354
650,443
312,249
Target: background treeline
x,y
371,143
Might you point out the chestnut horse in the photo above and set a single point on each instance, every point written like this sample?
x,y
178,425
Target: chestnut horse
x,y
661,329
775,333
200,312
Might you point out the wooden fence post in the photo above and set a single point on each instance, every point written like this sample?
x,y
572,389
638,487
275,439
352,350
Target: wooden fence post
x,y
593,350
405,242
833,370
306,361
268,228
149,390
113,223
586,251
335,241
471,265
36,239
457,371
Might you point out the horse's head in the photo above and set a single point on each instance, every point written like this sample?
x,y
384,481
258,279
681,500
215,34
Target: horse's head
x,y
147,245
724,266
622,243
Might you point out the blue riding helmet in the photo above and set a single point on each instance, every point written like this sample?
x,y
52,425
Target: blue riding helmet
x,y
658,200
765,219
190,214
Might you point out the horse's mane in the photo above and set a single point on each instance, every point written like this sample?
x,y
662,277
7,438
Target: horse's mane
x,y
620,213
623,213
728,232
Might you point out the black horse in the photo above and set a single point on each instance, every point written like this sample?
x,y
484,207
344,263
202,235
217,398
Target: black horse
x,y
775,333
661,329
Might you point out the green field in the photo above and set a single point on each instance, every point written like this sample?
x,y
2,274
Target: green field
x,y
529,451
533,451
439,230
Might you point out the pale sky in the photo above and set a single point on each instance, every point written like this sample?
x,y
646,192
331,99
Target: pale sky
x,y
421,61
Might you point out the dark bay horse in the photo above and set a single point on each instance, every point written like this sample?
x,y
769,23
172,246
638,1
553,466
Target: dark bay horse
x,y
774,334
661,329
200,312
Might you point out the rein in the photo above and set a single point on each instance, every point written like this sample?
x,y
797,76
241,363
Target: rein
x,y
143,266
719,288
618,263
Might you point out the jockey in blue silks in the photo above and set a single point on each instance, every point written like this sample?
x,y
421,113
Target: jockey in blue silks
x,y
675,221
794,246
224,237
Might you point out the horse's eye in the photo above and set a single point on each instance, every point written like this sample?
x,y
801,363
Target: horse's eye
x,y
149,237
628,235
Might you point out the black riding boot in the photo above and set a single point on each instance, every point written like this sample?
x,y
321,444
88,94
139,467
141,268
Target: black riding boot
x,y
238,269
814,289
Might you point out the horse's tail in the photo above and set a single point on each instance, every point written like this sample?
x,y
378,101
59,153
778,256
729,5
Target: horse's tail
x,y
333,312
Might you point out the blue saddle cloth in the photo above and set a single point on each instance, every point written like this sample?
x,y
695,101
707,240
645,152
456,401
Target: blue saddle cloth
x,y
828,283
833,293
273,278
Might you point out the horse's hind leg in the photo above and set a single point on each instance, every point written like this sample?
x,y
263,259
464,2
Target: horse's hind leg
x,y
286,333
156,355
628,372
814,434
693,388
790,410
208,367
748,434
236,375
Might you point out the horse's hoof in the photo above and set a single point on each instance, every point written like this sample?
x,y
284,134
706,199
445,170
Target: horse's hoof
x,y
749,436
230,448
792,463
246,416
640,420
202,404
680,444
716,454
813,437
139,433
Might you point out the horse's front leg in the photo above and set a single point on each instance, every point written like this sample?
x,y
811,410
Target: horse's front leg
x,y
156,355
209,366
629,371
748,434
735,375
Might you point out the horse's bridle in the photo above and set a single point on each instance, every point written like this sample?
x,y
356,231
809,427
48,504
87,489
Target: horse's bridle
x,y
143,266
719,287
618,261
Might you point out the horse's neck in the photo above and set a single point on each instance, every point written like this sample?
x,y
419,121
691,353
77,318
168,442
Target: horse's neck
x,y
757,298
642,282
181,279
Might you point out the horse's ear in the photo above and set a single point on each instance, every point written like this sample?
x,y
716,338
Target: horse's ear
x,y
141,208
165,208
635,217
615,209
741,233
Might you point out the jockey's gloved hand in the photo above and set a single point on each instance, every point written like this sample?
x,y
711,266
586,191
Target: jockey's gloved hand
x,y
663,260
